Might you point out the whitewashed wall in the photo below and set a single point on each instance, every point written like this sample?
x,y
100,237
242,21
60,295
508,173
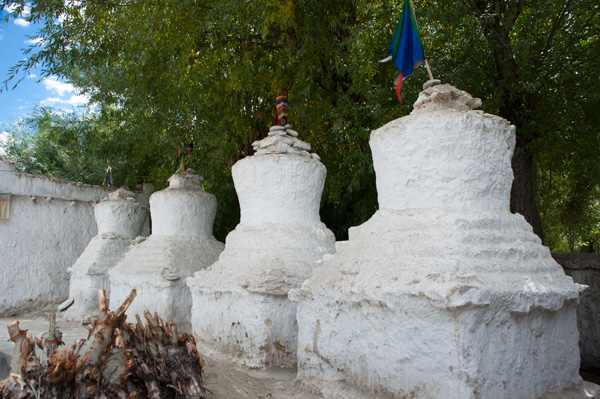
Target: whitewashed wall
x,y
50,223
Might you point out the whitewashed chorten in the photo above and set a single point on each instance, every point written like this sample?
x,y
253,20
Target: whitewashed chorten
x,y
443,293
241,309
181,243
120,220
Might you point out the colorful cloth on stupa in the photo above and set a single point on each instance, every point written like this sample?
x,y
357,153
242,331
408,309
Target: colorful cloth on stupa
x,y
406,49
282,105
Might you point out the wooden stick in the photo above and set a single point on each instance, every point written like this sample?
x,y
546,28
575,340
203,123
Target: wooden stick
x,y
23,347
428,70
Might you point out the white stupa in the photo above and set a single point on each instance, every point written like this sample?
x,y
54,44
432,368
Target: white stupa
x,y
443,293
120,220
241,309
181,243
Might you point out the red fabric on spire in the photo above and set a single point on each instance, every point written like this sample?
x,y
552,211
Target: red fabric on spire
x,y
399,87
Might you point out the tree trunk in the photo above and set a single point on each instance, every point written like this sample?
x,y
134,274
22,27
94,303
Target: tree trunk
x,y
514,105
522,199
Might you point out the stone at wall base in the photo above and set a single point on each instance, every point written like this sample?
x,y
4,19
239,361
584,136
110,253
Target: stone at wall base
x,y
582,390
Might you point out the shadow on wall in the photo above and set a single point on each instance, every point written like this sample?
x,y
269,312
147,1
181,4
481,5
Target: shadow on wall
x,y
585,269
4,365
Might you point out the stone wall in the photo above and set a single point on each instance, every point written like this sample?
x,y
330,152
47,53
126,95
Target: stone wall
x,y
585,269
49,224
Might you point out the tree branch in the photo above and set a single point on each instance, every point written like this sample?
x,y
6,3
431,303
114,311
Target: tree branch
x,y
555,25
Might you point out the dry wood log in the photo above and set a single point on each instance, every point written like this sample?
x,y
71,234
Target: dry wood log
x,y
117,360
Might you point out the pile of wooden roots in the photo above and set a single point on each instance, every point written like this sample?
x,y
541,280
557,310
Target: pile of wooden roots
x,y
117,360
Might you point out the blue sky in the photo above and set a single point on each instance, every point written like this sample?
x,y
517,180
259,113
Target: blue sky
x,y
18,103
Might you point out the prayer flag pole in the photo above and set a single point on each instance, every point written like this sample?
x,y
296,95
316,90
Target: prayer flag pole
x,y
428,70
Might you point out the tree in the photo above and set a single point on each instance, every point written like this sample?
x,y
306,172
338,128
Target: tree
x,y
209,71
534,63
79,147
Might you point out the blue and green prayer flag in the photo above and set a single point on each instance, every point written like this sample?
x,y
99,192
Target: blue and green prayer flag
x,y
406,49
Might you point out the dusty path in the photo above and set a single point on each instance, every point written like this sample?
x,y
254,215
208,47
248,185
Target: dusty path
x,y
224,380
229,381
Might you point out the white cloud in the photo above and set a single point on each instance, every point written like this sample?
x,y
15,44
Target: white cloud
x,y
12,8
64,93
23,14
61,88
35,40
74,100
21,22
1,34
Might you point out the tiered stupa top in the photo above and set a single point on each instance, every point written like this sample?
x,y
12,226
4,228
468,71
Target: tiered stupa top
x,y
282,182
183,208
120,215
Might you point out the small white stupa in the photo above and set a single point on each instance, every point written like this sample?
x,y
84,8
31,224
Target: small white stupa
x,y
181,243
241,309
120,220
443,293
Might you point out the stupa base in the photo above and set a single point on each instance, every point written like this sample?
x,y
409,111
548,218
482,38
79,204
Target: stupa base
x,y
341,390
171,300
411,347
240,306
157,269
255,330
91,273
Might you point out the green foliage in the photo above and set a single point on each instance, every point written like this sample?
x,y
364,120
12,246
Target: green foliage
x,y
568,180
79,147
209,71
536,63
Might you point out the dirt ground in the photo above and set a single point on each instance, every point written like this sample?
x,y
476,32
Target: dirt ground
x,y
222,379
225,380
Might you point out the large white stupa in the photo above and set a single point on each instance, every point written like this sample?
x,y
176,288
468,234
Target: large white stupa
x,y
240,305
443,293
181,243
